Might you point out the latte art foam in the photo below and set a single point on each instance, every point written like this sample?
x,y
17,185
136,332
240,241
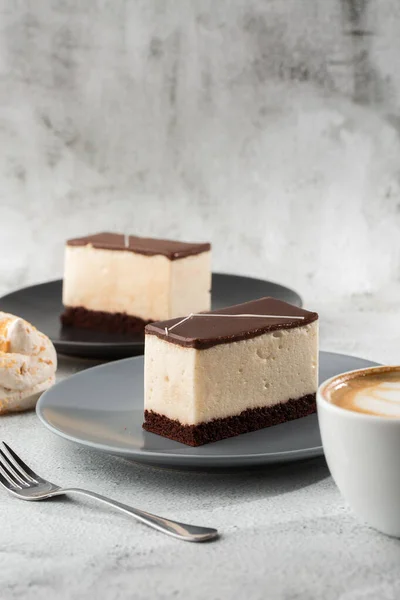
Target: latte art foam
x,y
381,399
374,392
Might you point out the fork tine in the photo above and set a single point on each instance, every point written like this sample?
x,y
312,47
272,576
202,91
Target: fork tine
x,y
7,475
6,463
21,466
5,483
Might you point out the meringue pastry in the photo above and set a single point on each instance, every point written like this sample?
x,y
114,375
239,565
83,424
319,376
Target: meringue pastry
x,y
28,363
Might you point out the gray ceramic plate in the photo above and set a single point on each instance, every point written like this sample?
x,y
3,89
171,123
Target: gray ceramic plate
x,y
103,408
42,305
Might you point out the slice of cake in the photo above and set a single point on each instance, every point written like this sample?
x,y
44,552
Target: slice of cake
x,y
118,283
231,371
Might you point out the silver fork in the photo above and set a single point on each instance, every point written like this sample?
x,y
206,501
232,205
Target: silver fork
x,y
21,481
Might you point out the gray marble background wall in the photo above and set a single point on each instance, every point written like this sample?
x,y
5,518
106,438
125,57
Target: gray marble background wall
x,y
270,127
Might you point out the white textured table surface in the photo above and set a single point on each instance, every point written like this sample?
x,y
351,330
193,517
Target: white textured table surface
x,y
286,533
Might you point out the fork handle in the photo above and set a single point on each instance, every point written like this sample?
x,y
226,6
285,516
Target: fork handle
x,y
182,531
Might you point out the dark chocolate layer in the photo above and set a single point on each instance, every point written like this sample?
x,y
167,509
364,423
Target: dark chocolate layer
x,y
219,429
148,246
204,332
83,318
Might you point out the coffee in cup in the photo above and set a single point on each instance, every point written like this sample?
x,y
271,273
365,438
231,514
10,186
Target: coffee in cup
x,y
371,391
359,419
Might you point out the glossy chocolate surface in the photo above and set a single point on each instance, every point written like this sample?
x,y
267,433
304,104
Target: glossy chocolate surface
x,y
173,250
206,331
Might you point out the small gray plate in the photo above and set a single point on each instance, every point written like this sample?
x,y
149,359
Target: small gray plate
x,y
103,408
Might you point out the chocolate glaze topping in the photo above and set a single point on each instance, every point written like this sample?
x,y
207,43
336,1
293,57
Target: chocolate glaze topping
x,y
202,332
148,246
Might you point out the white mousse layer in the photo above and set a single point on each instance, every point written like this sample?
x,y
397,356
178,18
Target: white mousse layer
x,y
195,386
152,288
28,362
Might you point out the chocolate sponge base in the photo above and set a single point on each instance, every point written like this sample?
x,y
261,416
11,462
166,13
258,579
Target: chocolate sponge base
x,y
219,429
83,318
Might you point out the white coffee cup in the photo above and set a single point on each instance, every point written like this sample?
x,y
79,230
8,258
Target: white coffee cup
x,y
363,456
